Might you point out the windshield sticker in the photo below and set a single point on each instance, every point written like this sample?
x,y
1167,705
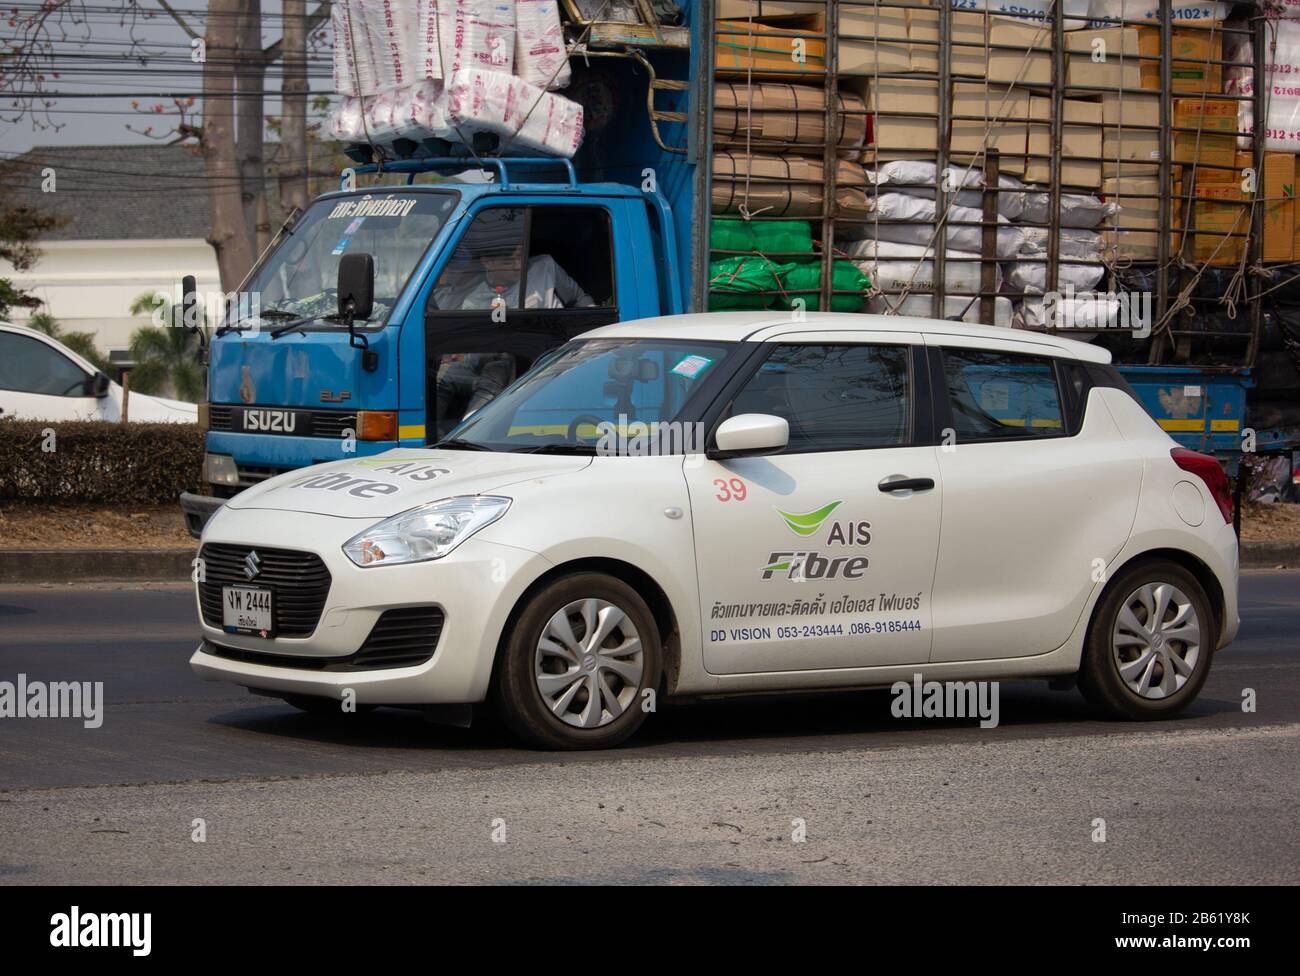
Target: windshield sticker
x,y
374,207
692,366
342,245
353,227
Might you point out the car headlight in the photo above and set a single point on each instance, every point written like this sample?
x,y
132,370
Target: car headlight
x,y
428,532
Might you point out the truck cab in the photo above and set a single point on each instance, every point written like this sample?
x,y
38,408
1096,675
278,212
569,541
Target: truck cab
x,y
472,280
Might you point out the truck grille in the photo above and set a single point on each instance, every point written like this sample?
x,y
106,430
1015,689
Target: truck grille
x,y
299,580
401,638
319,423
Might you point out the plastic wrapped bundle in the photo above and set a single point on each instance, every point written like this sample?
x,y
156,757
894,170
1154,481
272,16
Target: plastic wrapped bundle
x,y
540,55
523,115
1075,312
472,33
804,281
763,236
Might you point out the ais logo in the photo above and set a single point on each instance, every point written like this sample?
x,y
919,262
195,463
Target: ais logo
x,y
813,565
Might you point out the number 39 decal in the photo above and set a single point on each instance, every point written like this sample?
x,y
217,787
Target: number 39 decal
x,y
730,491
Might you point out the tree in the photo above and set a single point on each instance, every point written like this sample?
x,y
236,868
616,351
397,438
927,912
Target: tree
x,y
82,343
167,357
229,134
20,228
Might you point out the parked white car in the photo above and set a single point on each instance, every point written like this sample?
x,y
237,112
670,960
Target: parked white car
x,y
42,379
841,502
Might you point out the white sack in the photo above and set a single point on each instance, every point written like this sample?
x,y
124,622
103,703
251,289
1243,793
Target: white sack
x,y
1075,242
1080,312
901,206
922,307
904,171
1031,275
892,266
1077,209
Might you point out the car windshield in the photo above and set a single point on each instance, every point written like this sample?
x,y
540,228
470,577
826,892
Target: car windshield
x,y
299,278
599,396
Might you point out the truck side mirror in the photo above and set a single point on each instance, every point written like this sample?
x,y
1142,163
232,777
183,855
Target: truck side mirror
x,y
98,385
356,286
189,303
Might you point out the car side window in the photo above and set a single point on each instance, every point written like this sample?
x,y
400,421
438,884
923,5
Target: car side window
x,y
997,395
834,397
28,365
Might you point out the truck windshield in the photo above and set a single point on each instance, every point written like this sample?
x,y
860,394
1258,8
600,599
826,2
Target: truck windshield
x,y
299,278
615,396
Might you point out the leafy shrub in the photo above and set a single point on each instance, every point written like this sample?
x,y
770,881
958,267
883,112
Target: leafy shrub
x,y
93,461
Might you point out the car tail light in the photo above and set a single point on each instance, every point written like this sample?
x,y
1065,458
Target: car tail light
x,y
377,425
1211,472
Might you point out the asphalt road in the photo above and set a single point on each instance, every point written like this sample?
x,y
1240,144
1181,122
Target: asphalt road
x,y
707,793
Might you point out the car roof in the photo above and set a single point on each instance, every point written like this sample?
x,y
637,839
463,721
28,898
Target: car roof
x,y
760,326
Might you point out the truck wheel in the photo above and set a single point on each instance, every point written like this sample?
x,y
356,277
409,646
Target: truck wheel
x,y
1149,646
575,663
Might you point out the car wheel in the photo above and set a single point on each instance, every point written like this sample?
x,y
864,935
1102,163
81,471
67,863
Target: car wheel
x,y
575,664
324,707
1149,646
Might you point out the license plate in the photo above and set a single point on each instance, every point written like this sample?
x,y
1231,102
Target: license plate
x,y
246,610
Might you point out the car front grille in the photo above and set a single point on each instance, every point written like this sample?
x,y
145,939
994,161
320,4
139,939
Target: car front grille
x,y
400,638
299,583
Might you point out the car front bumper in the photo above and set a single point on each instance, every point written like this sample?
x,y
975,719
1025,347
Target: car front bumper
x,y
476,587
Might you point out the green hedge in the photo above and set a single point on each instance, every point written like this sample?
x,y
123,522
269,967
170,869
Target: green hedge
x,y
95,462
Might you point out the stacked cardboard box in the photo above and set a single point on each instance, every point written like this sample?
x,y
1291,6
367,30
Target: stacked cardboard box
x,y
1192,52
1080,147
789,52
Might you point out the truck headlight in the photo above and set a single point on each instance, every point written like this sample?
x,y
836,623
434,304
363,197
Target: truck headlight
x,y
428,532
220,469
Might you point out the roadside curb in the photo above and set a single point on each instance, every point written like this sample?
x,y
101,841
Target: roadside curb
x,y
107,565
94,565
1266,555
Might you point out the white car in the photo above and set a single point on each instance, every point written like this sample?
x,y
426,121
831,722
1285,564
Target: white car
x,y
42,379
841,502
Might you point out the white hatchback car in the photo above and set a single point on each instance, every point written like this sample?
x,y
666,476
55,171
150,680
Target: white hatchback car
x,y
735,503
42,379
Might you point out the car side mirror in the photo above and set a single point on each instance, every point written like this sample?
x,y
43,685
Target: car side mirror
x,y
356,286
749,435
98,385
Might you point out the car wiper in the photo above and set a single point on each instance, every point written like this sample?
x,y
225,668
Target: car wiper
x,y
457,444
566,448
270,313
297,323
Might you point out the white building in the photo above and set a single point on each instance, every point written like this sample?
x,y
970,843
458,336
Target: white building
x,y
136,222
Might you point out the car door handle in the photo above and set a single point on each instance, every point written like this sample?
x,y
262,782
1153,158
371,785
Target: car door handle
x,y
906,484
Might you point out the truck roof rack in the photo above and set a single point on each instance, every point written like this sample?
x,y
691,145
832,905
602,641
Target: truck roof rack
x,y
498,164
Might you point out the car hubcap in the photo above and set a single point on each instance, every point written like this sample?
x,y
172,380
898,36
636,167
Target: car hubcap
x,y
1157,640
589,663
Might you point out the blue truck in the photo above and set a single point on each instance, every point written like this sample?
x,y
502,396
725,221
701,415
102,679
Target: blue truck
x,y
625,227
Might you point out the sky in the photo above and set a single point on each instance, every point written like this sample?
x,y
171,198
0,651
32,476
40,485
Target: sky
x,y
93,59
